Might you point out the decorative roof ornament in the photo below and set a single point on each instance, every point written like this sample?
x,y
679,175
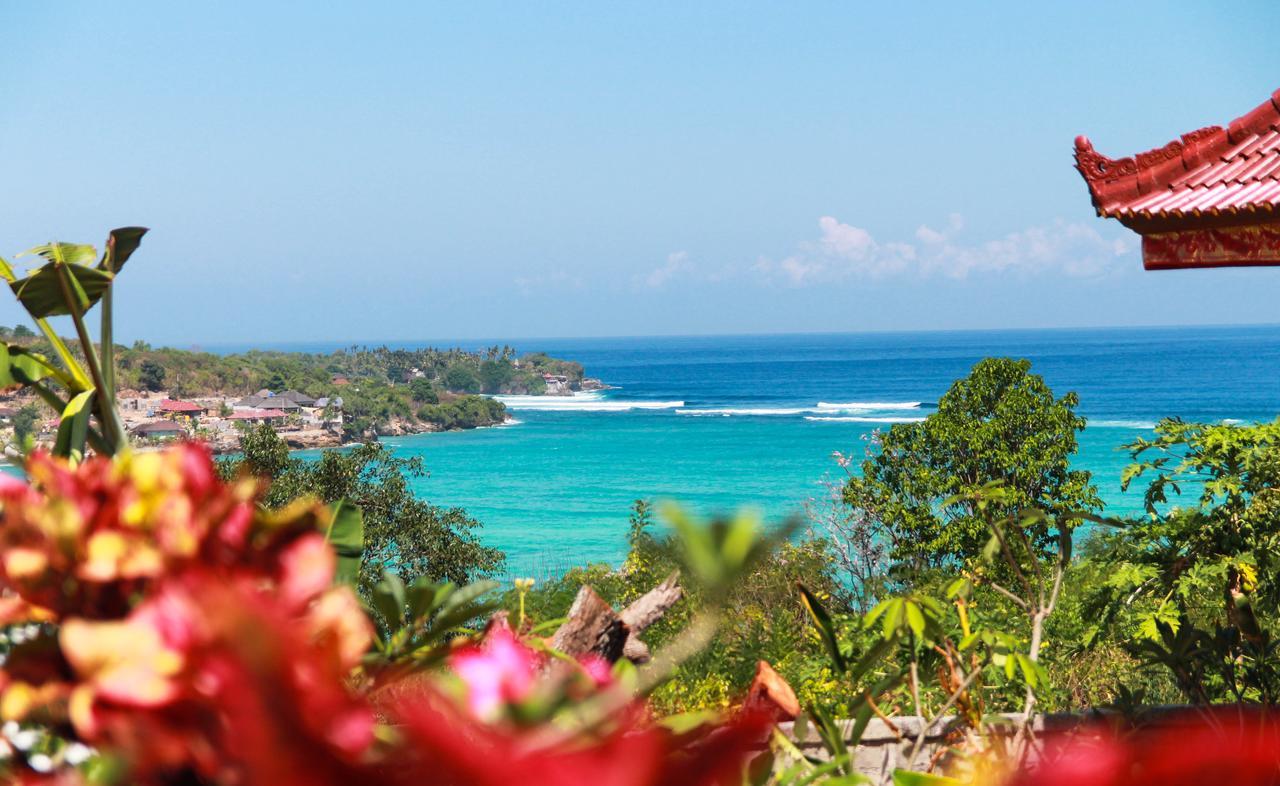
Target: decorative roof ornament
x,y
1210,198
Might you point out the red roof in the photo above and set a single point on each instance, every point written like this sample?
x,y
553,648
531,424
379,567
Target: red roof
x,y
255,414
169,405
1209,177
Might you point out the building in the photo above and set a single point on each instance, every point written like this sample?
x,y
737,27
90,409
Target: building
x,y
272,416
170,408
267,402
1210,198
301,399
160,430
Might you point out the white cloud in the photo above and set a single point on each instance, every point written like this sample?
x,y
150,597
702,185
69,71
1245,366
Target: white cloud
x,y
677,263
843,250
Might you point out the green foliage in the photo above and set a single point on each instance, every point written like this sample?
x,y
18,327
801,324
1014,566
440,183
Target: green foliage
x,y
999,424
151,376
26,422
460,378
495,375
1194,588
68,283
402,534
762,617
417,622
423,391
464,412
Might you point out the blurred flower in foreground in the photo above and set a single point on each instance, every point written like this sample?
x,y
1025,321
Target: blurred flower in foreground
x,y
1237,746
497,671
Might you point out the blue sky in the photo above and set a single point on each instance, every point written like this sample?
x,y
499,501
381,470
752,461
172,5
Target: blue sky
x,y
335,172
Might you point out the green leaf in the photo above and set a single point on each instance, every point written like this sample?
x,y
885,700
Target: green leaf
x,y
826,630
892,618
121,243
41,292
912,778
831,734
74,426
915,619
70,253
28,368
389,601
421,597
346,536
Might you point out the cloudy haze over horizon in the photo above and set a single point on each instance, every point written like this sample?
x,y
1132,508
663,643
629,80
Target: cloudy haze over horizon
x,y
414,171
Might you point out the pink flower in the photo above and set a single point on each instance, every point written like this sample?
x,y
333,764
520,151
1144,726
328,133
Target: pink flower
x,y
597,668
499,671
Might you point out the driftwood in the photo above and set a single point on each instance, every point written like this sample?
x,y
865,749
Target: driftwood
x,y
646,610
594,628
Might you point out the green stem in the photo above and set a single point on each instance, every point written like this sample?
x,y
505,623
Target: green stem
x,y
112,429
57,404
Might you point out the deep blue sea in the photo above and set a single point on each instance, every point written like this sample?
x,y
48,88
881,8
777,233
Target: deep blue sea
x,y
723,422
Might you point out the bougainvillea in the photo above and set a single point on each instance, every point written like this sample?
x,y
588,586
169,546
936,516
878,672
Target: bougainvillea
x,y
188,635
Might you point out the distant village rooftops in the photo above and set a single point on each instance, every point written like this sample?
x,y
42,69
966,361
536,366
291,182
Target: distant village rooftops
x,y
181,407
301,399
267,402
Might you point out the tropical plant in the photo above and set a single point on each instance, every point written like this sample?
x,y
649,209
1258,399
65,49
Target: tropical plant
x,y
1002,424
1194,588
71,280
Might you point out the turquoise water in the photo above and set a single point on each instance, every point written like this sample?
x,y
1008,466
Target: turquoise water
x,y
719,423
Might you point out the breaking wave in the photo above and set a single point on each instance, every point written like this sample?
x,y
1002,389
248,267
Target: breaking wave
x,y
862,419
593,401
1143,424
870,405
758,411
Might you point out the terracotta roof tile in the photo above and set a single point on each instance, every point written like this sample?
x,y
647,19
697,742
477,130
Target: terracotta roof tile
x,y
1209,172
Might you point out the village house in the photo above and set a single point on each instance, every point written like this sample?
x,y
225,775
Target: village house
x,y
249,415
170,408
160,430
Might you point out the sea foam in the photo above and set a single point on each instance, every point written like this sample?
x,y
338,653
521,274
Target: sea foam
x,y
1142,424
870,405
753,411
861,419
591,401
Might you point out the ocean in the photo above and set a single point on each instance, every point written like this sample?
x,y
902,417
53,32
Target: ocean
x,y
719,423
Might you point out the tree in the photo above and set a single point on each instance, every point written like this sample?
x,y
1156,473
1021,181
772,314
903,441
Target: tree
x,y
423,391
461,379
402,533
22,331
151,375
1000,424
26,422
495,374
1193,588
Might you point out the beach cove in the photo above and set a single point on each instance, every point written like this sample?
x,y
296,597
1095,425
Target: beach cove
x,y
719,423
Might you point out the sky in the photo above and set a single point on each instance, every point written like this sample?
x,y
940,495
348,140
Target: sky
x,y
404,171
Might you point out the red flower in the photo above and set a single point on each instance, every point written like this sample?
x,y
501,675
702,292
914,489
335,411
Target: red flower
x,y
1236,746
